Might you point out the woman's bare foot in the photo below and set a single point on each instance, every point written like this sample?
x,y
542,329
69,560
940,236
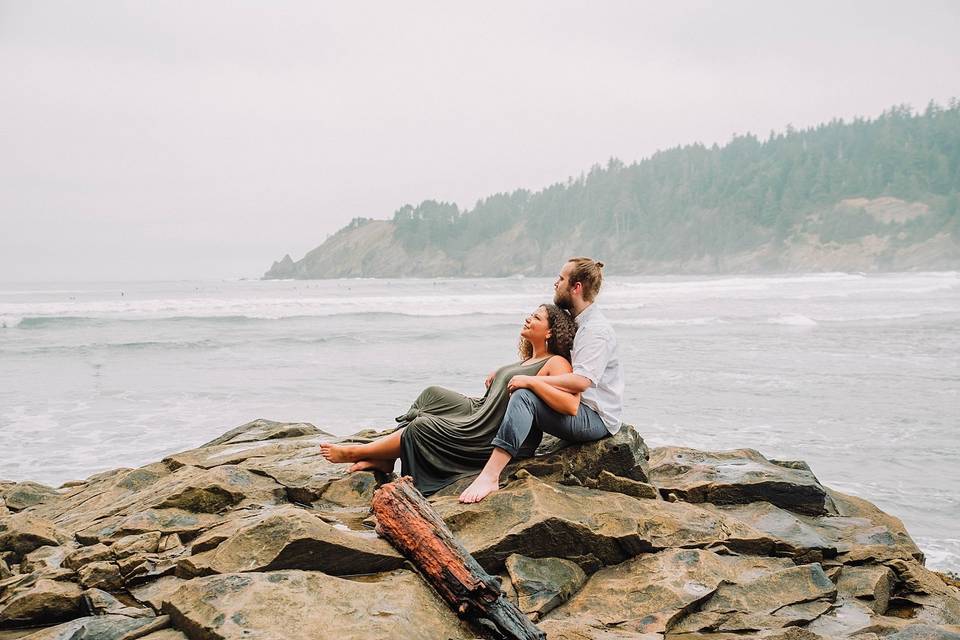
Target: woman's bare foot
x,y
338,452
386,466
479,489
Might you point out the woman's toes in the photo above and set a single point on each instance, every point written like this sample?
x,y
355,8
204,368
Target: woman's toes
x,y
334,453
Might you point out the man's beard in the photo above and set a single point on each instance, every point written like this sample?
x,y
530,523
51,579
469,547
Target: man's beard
x,y
562,299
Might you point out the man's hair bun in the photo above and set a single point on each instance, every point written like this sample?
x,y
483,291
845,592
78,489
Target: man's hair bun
x,y
589,273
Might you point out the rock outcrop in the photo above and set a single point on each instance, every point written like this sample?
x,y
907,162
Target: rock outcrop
x,y
737,477
310,605
254,534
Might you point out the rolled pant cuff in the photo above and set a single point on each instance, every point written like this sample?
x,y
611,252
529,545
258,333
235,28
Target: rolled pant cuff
x,y
506,446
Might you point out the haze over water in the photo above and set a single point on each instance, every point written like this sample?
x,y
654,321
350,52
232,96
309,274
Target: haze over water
x,y
859,375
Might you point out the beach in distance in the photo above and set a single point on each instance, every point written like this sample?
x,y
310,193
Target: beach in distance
x,y
857,374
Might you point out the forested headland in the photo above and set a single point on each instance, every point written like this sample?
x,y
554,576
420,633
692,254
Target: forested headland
x,y
864,195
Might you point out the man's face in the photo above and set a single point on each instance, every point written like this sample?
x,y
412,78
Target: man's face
x,y
561,288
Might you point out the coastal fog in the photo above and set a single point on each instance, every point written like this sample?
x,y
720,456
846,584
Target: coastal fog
x,y
183,140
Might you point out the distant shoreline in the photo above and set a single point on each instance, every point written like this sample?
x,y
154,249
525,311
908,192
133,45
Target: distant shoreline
x,y
610,274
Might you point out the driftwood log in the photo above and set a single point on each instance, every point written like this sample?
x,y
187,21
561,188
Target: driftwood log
x,y
407,520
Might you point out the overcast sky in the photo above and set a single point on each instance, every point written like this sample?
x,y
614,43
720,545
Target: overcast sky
x,y
152,140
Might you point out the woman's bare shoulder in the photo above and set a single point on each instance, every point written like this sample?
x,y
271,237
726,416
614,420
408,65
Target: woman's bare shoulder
x,y
555,366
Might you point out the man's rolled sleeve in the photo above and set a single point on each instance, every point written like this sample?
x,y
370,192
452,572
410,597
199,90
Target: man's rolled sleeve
x,y
591,352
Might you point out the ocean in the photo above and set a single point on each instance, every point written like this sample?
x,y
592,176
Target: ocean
x,y
857,374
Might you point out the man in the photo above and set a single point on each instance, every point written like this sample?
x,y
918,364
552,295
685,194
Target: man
x,y
597,376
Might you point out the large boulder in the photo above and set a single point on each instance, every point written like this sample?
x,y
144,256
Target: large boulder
x,y
100,603
84,555
854,618
851,617
44,559
215,490
922,595
737,477
187,498
781,598
542,584
43,602
858,533
144,567
164,521
354,490
607,481
304,605
22,533
235,454
103,627
624,454
27,494
100,575
153,593
792,530
261,464
863,533
214,536
105,496
871,583
311,479
263,429
538,519
650,593
290,537
127,546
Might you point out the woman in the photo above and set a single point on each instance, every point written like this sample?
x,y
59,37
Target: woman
x,y
446,435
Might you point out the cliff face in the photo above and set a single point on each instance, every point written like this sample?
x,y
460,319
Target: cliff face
x,y
255,535
826,240
368,250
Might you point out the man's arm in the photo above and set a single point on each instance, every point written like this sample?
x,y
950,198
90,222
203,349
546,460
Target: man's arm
x,y
558,399
591,353
555,398
569,382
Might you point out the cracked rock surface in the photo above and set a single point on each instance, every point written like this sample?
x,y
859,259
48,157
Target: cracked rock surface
x,y
255,535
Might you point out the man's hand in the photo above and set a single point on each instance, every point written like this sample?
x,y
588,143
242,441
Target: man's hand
x,y
489,380
519,382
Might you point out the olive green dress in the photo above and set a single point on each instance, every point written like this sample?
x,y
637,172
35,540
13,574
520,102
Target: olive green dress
x,y
447,434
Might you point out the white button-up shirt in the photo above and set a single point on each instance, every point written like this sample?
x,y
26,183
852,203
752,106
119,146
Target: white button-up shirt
x,y
596,357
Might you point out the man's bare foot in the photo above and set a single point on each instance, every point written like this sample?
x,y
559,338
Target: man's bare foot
x,y
338,452
386,466
479,489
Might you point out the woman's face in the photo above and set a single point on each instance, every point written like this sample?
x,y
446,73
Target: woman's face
x,y
536,328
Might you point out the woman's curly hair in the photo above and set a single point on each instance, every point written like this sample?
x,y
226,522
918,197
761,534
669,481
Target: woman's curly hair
x,y
562,331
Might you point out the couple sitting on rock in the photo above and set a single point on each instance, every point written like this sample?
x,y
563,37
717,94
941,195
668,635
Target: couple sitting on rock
x,y
568,383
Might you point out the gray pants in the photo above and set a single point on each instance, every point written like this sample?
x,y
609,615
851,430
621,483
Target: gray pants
x,y
528,418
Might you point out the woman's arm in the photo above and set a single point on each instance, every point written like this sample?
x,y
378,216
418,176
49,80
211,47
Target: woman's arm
x,y
557,399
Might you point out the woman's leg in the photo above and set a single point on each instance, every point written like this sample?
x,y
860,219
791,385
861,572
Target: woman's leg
x,y
385,448
526,411
436,400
